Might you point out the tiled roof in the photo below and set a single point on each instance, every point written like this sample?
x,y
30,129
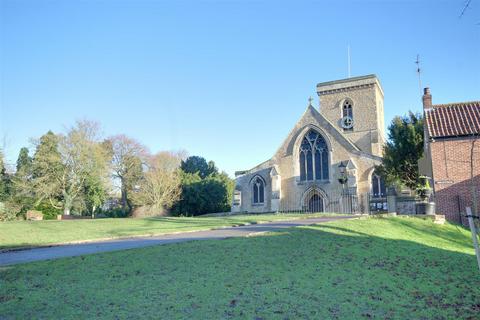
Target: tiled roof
x,y
453,120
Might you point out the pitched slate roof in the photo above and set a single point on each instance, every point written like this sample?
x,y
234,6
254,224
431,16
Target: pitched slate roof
x,y
453,119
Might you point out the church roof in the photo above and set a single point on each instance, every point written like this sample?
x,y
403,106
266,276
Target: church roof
x,y
328,126
311,118
453,119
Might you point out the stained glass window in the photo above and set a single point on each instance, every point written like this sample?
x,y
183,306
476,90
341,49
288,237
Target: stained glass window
x,y
258,190
313,157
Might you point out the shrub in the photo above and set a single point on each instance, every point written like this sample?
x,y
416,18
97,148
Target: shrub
x,y
9,211
49,212
117,212
202,196
147,211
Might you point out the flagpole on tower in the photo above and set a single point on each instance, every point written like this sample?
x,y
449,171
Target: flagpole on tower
x,y
348,56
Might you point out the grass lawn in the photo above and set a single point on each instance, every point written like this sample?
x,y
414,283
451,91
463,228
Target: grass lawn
x,y
37,233
384,268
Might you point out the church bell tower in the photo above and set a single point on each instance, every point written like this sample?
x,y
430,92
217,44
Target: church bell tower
x,y
355,107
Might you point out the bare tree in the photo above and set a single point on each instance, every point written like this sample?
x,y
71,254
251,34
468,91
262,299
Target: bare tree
x,y
160,187
128,157
82,156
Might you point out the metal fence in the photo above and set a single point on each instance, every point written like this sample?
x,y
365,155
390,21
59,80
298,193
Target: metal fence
x,y
338,201
453,206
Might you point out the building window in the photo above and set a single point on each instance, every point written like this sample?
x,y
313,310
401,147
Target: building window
x,y
347,115
258,190
379,189
313,157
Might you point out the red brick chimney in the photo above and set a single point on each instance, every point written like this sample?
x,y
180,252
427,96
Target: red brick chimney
x,y
427,99
427,105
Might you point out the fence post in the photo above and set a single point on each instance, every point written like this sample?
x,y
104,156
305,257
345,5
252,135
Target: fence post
x,y
459,210
473,229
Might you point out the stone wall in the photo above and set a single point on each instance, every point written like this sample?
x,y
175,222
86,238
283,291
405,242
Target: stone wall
x,y
405,205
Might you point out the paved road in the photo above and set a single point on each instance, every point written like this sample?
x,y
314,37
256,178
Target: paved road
x,y
71,250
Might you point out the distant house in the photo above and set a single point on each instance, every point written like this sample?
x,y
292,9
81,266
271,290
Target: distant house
x,y
452,146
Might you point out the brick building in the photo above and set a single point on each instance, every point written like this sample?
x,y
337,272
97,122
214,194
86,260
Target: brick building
x,y
452,147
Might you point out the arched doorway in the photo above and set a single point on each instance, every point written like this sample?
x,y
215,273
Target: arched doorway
x,y
313,200
315,203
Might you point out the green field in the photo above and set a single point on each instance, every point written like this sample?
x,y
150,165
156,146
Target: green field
x,y
38,233
377,268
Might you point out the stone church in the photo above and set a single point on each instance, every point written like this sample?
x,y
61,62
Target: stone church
x,y
332,150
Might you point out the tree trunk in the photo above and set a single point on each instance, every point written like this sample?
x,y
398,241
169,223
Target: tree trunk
x,y
67,203
124,196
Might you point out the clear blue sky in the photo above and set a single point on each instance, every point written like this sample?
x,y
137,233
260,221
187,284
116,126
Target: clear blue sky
x,y
226,80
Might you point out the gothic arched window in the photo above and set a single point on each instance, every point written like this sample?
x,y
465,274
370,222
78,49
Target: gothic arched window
x,y
313,157
258,190
378,186
347,115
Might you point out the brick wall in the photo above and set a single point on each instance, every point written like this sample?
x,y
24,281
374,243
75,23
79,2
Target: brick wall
x,y
451,175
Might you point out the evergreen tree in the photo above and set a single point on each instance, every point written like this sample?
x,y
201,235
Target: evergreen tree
x,y
24,161
403,150
22,193
8,208
47,168
196,164
204,189
3,179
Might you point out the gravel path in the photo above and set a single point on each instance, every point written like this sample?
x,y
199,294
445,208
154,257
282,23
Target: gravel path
x,y
71,250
